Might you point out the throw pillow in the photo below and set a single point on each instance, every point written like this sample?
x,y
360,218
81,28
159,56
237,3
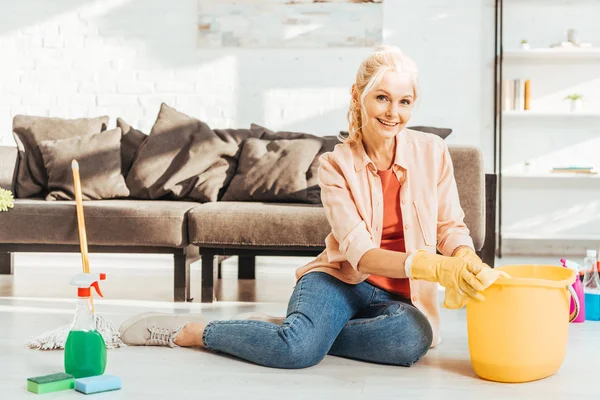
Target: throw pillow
x,y
182,158
313,194
273,170
131,142
99,158
29,131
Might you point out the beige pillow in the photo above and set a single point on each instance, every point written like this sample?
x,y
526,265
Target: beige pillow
x,y
99,158
131,142
29,131
273,170
313,195
181,159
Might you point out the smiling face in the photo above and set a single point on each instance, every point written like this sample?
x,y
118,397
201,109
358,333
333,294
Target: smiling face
x,y
388,106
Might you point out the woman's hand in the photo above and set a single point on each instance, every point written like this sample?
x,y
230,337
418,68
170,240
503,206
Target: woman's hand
x,y
451,272
468,254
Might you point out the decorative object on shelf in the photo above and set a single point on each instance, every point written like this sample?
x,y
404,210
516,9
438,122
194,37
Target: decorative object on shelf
x,y
572,41
516,94
527,95
576,101
573,36
524,44
6,199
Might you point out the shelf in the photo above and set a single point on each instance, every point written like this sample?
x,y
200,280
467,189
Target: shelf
x,y
549,236
557,114
549,175
556,53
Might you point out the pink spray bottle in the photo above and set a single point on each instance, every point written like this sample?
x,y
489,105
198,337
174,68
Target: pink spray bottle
x,y
578,286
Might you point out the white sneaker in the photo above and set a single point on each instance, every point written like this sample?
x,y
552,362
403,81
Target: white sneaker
x,y
154,329
257,316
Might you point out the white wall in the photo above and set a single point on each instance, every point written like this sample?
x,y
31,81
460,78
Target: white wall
x,y
74,58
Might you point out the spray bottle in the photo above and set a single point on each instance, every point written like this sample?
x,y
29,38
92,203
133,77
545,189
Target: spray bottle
x,y
591,286
85,350
578,286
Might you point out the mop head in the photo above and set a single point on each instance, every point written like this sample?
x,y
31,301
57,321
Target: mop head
x,y
56,339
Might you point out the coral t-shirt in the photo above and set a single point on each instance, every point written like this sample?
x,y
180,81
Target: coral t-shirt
x,y
392,234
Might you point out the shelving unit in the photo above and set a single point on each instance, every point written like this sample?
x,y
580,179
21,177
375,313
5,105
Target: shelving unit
x,y
533,203
552,54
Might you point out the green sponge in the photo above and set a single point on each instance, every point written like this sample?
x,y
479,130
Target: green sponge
x,y
50,383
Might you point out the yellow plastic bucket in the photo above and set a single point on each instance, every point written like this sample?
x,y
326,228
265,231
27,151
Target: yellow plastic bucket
x,y
519,333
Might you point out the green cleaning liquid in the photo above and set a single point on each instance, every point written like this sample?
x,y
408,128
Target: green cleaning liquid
x,y
85,354
85,350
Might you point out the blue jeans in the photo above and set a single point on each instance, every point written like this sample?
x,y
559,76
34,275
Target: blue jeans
x,y
328,316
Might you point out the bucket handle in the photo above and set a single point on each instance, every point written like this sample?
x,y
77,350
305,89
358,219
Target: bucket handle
x,y
575,312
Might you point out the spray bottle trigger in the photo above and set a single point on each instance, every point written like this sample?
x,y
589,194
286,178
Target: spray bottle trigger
x,y
97,287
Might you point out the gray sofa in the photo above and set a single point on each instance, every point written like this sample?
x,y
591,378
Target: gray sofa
x,y
210,231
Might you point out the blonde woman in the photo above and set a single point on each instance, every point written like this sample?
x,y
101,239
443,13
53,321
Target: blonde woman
x,y
390,197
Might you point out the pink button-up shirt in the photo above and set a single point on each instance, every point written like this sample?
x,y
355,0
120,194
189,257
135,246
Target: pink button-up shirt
x,y
352,197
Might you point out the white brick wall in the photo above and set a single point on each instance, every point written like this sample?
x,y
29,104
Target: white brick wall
x,y
68,58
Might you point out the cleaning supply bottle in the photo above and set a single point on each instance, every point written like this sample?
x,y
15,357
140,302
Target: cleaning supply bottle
x,y
578,286
591,286
85,350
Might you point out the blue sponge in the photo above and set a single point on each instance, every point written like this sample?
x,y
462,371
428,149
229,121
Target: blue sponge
x,y
97,384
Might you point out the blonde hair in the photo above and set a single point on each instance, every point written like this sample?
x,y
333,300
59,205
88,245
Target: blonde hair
x,y
370,73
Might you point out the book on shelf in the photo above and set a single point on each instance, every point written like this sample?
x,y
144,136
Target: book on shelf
x,y
584,169
516,94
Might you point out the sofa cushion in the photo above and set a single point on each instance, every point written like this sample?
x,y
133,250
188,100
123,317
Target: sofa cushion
x,y
273,170
131,142
258,224
107,222
441,132
183,158
29,131
470,181
8,167
303,225
313,194
99,158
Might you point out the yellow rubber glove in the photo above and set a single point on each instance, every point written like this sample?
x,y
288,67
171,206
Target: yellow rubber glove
x,y
461,278
487,276
468,254
456,274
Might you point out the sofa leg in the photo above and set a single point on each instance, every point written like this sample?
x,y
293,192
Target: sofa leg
x,y
221,259
7,263
246,267
181,281
210,267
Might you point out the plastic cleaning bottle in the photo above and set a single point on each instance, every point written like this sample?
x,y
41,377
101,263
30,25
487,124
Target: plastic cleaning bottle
x,y
85,350
578,286
591,286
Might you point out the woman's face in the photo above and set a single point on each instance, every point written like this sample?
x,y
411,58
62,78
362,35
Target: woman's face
x,y
388,106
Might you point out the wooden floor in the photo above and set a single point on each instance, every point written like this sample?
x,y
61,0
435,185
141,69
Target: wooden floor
x,y
38,297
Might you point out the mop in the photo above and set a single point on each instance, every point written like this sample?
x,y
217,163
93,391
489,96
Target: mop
x,y
57,338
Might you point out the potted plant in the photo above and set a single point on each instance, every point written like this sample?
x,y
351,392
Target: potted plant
x,y
576,101
524,44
